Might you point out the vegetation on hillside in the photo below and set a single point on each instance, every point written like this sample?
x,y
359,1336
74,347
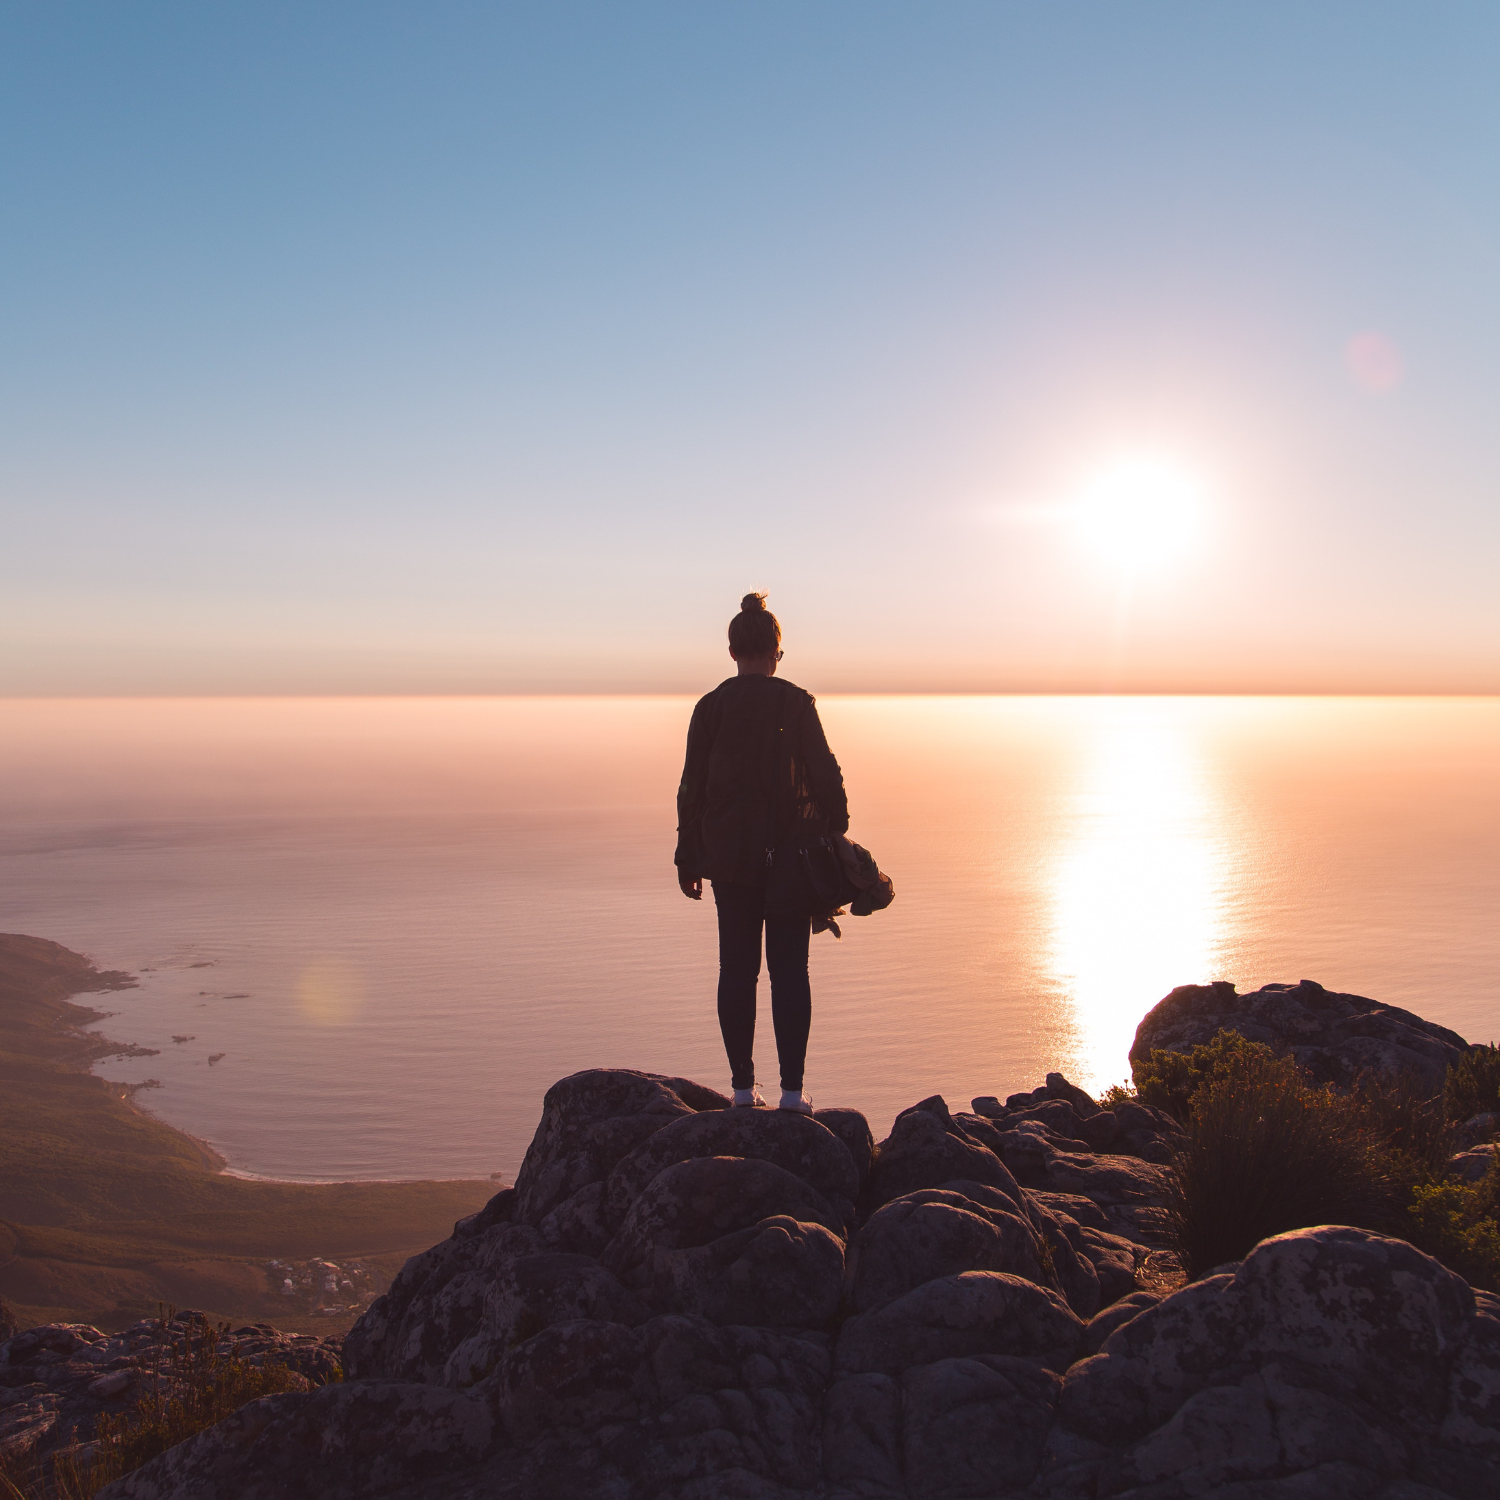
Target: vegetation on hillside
x,y
1170,1080
1268,1150
1459,1223
1473,1084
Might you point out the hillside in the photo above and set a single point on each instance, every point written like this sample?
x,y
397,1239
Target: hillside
x,y
106,1211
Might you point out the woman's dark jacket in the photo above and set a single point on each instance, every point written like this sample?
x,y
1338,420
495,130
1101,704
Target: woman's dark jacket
x,y
759,774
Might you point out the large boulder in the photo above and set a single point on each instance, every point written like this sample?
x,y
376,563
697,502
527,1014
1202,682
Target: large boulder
x,y
696,1202
778,1273
973,1426
793,1142
853,1130
926,1148
1335,1037
954,1317
589,1121
949,1390
933,1233
1330,1355
533,1292
433,1305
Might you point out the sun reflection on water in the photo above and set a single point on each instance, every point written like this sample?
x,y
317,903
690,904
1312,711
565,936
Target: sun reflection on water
x,y
1139,882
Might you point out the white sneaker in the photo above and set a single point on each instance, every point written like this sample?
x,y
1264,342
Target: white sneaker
x,y
796,1100
748,1099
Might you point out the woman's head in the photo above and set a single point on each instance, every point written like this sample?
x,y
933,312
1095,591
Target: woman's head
x,y
754,633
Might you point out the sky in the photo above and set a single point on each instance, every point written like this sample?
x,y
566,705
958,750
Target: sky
x,y
451,348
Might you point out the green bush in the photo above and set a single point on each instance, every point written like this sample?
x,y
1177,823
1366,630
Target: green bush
x,y
1169,1080
1473,1084
1118,1093
1459,1223
1267,1152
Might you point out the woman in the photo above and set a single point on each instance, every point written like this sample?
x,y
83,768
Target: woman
x,y
759,779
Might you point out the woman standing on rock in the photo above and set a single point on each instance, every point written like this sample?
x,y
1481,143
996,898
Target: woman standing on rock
x,y
759,784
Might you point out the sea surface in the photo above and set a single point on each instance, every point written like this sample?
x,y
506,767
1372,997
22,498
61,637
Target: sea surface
x,y
370,933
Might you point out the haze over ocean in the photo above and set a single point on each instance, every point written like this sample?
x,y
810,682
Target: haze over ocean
x,y
400,920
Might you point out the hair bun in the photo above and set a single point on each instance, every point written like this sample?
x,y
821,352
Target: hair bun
x,y
753,604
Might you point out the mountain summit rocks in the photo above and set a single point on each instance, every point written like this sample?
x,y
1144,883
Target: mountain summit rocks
x,y
682,1302
1335,1037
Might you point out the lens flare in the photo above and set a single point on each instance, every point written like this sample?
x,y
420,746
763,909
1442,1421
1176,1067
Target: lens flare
x,y
329,992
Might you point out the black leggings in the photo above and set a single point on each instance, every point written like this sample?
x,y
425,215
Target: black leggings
x,y
741,909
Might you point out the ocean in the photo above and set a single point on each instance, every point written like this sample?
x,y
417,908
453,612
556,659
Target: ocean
x,y
371,932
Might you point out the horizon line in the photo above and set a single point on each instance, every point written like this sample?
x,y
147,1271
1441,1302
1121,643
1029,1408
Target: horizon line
x,y
1186,692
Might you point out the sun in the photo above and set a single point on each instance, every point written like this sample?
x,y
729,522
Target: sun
x,y
1140,513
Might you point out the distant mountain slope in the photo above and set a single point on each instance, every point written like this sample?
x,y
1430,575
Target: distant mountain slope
x,y
105,1211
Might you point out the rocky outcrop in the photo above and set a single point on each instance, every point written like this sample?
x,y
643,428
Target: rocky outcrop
x,y
57,1379
1335,1037
1332,1360
685,1302
1104,1167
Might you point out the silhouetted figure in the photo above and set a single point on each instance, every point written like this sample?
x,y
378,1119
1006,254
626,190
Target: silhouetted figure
x,y
759,780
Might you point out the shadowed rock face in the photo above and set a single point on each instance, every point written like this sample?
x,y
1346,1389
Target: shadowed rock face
x,y
792,1142
694,1203
589,1121
931,1232
678,1302
1336,1037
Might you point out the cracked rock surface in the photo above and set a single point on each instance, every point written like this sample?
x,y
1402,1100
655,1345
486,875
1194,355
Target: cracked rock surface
x,y
680,1302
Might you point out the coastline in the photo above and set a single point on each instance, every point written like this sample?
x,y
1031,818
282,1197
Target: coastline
x,y
213,1159
107,1210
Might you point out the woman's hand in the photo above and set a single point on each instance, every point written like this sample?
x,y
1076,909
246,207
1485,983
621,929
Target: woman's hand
x,y
691,886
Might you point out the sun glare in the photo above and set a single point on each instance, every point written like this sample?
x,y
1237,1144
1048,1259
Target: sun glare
x,y
1141,885
1140,514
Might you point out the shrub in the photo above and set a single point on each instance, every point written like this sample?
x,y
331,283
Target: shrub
x,y
1473,1084
1459,1223
1411,1127
1267,1152
1169,1080
1118,1093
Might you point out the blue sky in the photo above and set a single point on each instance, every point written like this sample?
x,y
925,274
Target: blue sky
x,y
351,348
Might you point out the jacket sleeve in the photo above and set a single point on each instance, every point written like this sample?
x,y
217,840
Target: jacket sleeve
x,y
692,793
824,779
